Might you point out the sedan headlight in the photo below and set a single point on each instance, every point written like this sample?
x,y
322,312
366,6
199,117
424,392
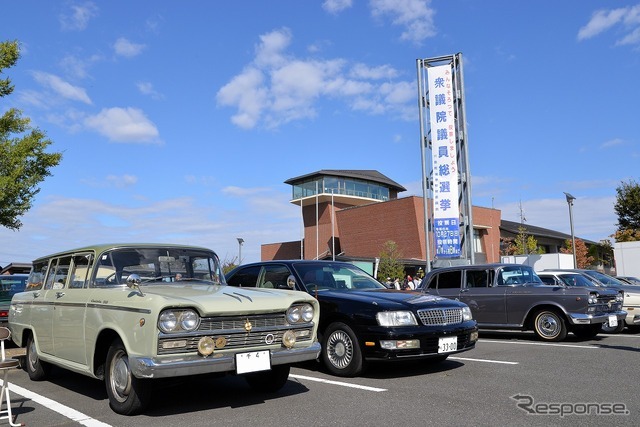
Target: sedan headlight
x,y
396,318
302,313
181,320
620,297
466,314
593,298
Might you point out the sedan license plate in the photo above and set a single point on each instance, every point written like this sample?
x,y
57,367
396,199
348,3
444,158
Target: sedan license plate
x,y
253,361
447,344
613,321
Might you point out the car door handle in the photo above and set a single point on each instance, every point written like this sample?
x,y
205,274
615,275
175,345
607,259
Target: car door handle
x,y
59,294
464,290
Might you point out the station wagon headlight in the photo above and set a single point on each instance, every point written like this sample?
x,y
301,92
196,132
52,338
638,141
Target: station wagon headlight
x,y
396,318
300,313
178,321
466,314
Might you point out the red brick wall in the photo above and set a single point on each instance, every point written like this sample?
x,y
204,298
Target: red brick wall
x,y
365,229
285,250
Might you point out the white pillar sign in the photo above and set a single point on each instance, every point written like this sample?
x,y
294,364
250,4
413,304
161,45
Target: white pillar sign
x,y
446,209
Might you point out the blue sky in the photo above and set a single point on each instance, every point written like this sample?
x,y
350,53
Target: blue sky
x,y
180,121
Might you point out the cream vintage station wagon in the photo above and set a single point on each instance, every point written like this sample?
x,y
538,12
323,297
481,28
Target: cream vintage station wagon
x,y
132,313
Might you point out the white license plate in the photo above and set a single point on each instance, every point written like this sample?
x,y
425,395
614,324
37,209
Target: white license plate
x,y
447,344
613,321
253,361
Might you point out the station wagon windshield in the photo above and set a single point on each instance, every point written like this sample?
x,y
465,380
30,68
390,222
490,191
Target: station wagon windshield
x,y
157,265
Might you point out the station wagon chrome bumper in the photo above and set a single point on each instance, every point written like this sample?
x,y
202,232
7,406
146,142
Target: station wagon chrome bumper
x,y
588,319
180,365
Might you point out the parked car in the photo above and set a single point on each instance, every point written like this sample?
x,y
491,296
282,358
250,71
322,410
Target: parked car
x,y
512,296
361,320
129,314
631,298
629,279
10,284
574,278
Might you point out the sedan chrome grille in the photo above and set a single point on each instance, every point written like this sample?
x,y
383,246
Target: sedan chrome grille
x,y
440,316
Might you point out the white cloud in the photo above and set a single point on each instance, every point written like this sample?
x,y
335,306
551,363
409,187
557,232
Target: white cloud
x,y
336,6
123,125
363,71
61,87
122,180
602,20
124,47
243,192
77,67
612,143
245,92
414,15
79,16
277,88
146,88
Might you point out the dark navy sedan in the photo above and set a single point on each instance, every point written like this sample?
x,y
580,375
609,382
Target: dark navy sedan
x,y
361,320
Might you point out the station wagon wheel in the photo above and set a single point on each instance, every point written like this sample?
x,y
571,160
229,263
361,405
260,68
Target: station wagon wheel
x,y
341,352
36,368
128,395
549,326
269,381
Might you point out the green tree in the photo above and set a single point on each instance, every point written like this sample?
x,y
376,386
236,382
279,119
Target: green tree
x,y
390,265
525,243
23,161
583,258
627,208
229,264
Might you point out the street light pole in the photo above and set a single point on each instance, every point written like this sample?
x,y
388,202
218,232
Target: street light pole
x,y
240,242
570,200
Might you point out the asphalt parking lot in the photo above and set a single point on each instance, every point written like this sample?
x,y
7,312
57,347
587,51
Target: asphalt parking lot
x,y
509,379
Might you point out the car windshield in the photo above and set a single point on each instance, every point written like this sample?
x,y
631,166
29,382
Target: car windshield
x,y
632,280
157,265
323,276
10,285
605,279
517,275
575,280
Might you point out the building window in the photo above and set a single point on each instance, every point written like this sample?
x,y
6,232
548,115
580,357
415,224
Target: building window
x,y
477,241
337,185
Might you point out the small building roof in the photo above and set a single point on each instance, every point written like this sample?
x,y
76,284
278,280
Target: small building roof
x,y
367,175
513,227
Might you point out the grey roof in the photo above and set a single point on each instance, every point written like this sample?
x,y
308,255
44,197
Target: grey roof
x,y
512,227
367,175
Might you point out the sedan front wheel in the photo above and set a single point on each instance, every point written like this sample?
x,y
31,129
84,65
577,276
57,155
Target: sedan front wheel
x,y
341,352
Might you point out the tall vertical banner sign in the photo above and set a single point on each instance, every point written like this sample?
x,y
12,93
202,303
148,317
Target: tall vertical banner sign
x,y
446,210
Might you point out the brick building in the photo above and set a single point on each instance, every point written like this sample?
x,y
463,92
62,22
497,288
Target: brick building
x,y
350,214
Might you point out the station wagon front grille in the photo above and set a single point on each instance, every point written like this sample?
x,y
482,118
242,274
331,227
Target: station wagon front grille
x,y
222,323
264,331
440,316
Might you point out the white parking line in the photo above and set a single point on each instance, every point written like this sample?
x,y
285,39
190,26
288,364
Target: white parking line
x,y
539,343
340,383
484,360
63,410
